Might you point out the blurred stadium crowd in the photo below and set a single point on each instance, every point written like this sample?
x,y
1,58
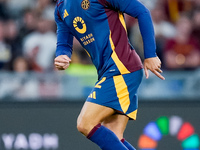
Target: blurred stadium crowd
x,y
28,34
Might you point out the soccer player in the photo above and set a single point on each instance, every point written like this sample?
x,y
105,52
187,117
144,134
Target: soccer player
x,y
100,28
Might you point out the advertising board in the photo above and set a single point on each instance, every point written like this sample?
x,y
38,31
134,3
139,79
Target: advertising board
x,y
52,126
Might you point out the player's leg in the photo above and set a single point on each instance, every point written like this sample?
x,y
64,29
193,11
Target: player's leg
x,y
119,93
117,123
91,115
127,144
89,124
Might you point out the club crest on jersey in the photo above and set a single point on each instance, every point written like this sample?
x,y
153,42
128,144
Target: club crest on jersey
x,y
85,4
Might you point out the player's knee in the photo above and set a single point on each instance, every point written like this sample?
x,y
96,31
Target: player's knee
x,y
85,125
82,126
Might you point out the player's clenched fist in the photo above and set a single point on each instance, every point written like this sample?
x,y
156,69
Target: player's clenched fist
x,y
62,62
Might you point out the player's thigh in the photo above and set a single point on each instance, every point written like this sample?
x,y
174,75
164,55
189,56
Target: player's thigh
x,y
116,123
91,115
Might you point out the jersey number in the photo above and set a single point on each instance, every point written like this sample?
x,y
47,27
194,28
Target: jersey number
x,y
98,84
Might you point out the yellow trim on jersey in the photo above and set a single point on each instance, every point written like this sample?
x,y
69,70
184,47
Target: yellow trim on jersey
x,y
87,53
122,92
120,65
133,114
121,18
111,42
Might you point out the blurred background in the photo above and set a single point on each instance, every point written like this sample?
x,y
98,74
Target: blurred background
x,y
32,89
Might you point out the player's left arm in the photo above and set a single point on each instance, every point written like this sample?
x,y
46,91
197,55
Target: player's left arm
x,y
153,64
137,10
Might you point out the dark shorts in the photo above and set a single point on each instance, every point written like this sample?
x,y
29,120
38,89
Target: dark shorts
x,y
118,92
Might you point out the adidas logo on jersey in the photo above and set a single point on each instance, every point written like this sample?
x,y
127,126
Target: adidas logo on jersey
x,y
65,14
92,95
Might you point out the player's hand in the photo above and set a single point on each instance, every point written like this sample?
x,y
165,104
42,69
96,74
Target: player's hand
x,y
62,62
153,64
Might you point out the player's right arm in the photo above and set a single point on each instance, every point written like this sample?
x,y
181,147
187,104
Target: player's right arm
x,y
61,62
64,43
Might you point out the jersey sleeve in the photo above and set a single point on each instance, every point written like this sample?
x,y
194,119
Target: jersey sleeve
x,y
64,37
137,10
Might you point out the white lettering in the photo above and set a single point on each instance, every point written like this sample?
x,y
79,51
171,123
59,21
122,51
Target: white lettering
x,y
50,141
8,140
21,142
35,141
